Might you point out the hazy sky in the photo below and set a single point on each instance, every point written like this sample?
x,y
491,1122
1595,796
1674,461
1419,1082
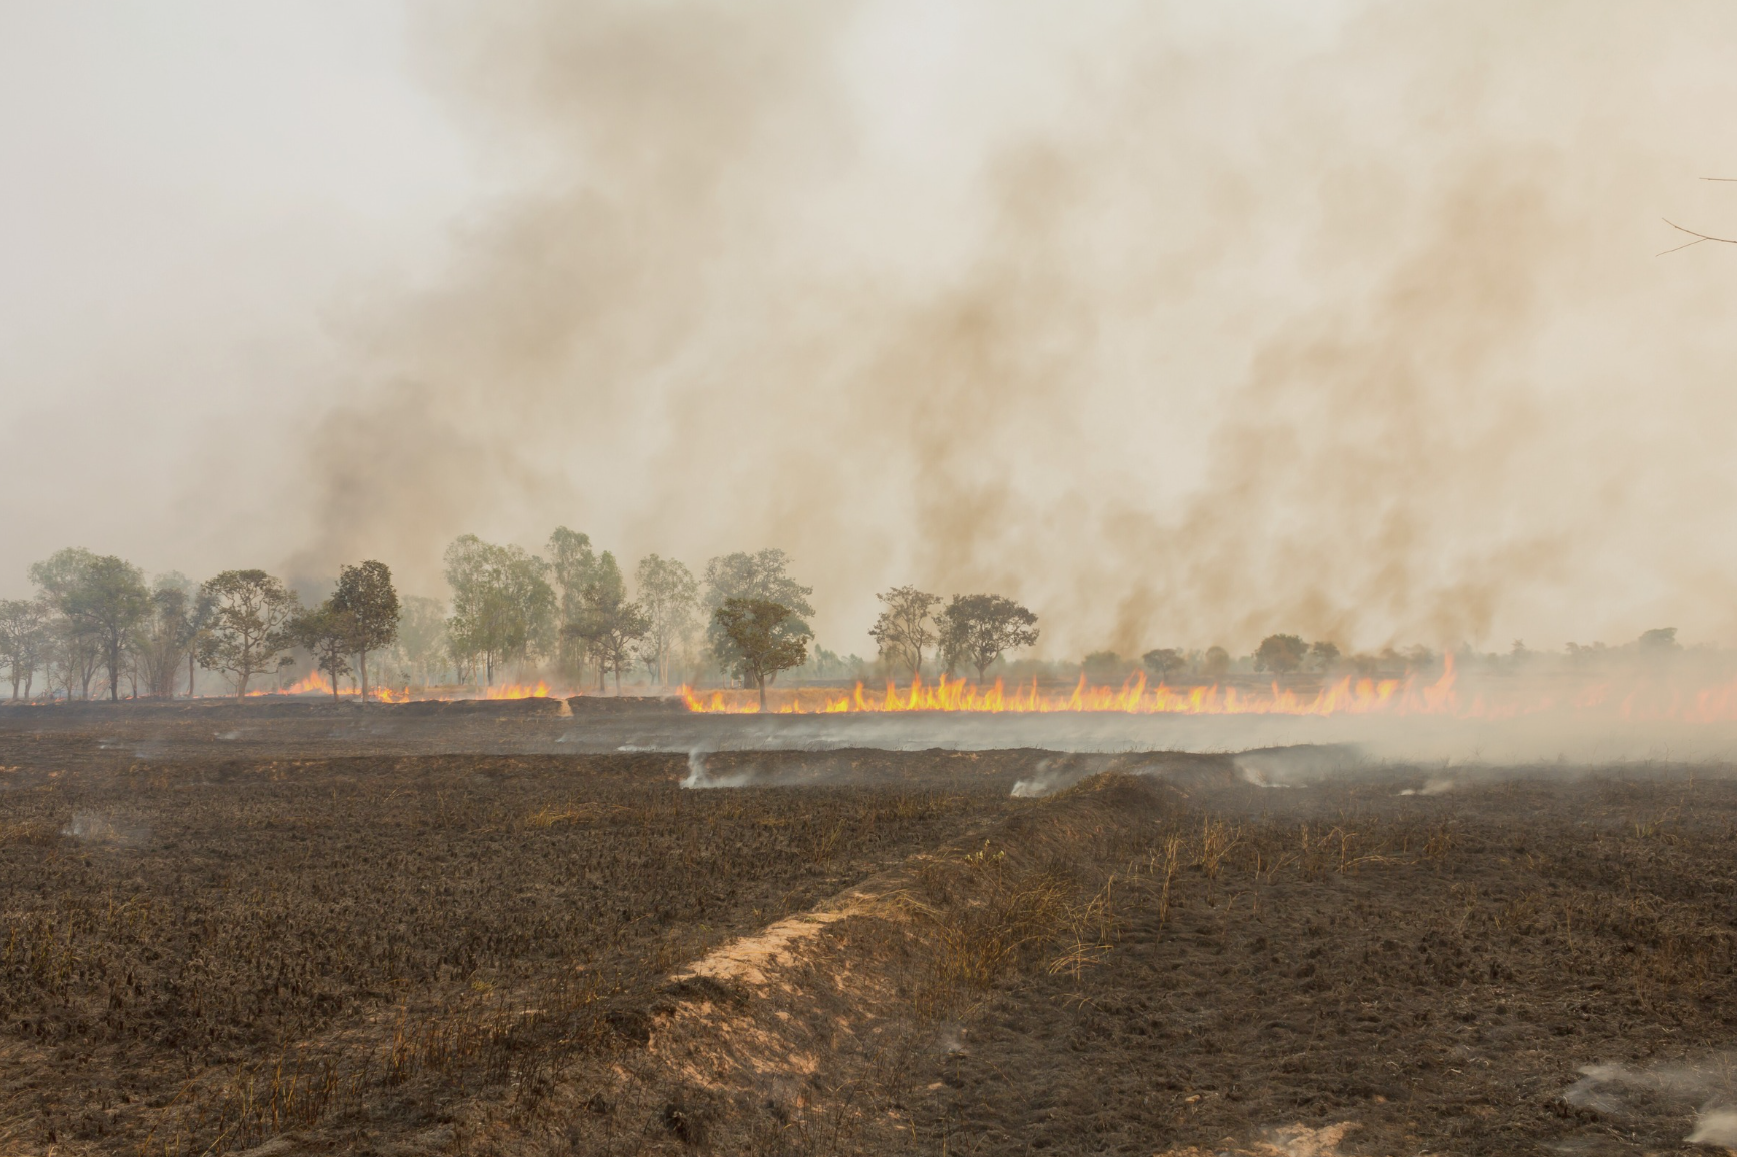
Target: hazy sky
x,y
1185,323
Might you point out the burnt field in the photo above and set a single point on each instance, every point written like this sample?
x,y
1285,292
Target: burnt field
x,y
225,933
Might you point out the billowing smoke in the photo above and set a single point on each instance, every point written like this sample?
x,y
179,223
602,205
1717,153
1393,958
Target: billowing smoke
x,y
1182,323
1180,327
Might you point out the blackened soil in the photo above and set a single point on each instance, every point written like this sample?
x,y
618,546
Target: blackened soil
x,y
200,954
1435,970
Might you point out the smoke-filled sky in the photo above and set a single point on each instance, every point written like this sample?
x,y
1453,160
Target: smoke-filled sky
x,y
1184,323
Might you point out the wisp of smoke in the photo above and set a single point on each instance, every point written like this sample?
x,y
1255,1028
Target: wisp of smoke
x,y
1710,1082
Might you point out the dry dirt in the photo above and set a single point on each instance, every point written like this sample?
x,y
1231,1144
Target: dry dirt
x,y
445,941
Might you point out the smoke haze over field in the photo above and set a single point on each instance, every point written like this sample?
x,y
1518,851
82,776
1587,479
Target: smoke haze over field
x,y
1182,323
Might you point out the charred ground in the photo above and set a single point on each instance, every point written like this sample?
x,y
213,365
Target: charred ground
x,y
444,944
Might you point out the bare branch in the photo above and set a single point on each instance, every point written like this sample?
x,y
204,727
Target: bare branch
x,y
1698,237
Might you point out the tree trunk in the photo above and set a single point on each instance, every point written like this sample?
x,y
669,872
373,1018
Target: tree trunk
x,y
241,687
762,682
189,674
334,685
362,665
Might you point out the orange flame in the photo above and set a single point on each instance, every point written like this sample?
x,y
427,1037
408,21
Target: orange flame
x,y
316,683
1347,696
539,690
1644,701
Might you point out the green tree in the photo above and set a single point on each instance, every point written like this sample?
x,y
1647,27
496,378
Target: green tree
x,y
572,570
761,638
905,628
977,629
1280,654
165,637
248,630
609,625
1164,661
202,612
24,640
503,608
668,593
74,650
763,576
103,596
329,634
367,600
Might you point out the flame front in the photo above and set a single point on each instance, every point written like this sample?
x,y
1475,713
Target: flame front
x,y
316,683
1347,696
1642,701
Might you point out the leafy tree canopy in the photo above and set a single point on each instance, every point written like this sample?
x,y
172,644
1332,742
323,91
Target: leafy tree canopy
x,y
976,630
1164,661
368,602
503,608
248,630
763,637
1280,654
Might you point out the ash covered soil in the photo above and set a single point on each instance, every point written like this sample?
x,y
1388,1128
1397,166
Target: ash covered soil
x,y
291,931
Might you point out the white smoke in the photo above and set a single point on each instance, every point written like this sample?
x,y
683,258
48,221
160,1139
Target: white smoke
x,y
1711,1081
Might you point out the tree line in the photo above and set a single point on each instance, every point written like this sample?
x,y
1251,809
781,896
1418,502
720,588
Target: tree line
x,y
95,619
97,623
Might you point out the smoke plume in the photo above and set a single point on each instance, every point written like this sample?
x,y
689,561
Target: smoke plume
x,y
1181,324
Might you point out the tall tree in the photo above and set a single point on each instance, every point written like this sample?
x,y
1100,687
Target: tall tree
x,y
503,608
762,576
248,633
763,638
1280,654
24,640
103,598
421,647
74,652
609,625
905,627
165,637
329,634
1164,661
978,629
668,593
366,599
199,619
572,570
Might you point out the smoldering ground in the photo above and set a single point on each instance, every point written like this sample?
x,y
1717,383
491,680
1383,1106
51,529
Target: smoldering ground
x,y
1706,1083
